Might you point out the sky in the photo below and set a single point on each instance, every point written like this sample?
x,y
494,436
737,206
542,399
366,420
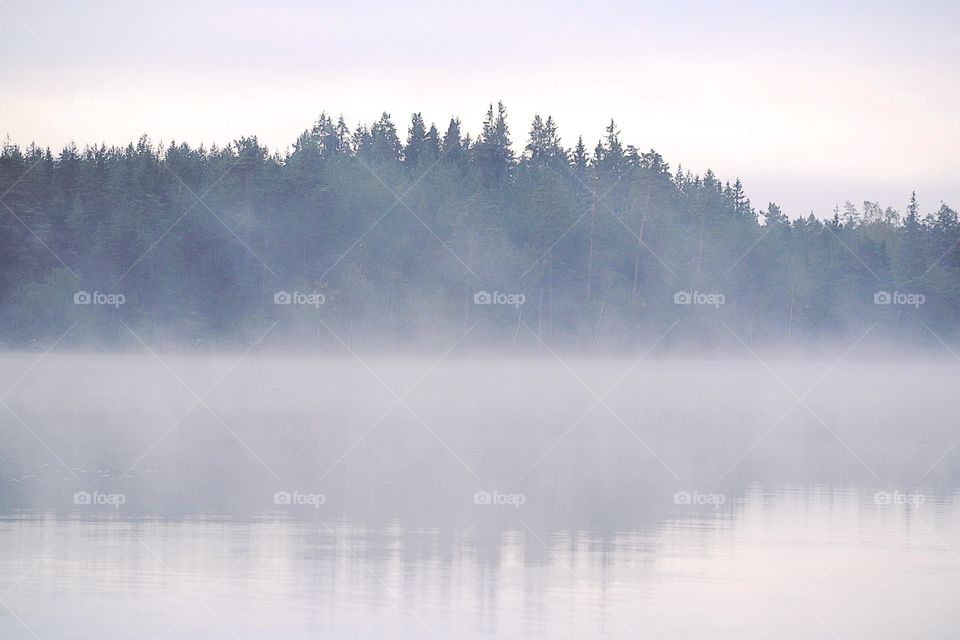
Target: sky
x,y
809,103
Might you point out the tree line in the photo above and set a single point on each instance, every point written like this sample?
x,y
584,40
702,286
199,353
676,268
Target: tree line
x,y
410,237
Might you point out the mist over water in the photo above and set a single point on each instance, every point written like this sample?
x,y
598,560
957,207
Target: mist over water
x,y
221,434
399,321
463,495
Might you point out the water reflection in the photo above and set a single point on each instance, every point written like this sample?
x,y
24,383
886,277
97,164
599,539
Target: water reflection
x,y
800,562
499,500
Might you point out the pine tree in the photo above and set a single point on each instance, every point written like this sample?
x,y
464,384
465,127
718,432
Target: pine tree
x,y
385,144
309,213
913,212
494,152
773,216
851,217
453,148
432,144
416,141
580,158
613,155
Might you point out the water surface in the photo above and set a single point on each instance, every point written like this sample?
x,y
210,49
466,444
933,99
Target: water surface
x,y
334,498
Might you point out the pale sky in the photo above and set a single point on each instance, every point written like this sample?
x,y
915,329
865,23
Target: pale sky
x,y
809,103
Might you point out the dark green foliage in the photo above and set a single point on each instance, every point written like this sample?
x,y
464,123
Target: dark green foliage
x,y
399,235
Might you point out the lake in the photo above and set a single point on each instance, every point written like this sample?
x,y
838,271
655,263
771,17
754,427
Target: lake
x,y
255,496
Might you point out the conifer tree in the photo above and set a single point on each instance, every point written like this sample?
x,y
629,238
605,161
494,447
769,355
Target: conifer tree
x,y
416,141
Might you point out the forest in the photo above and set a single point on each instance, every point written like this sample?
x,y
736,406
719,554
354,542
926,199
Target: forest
x,y
372,235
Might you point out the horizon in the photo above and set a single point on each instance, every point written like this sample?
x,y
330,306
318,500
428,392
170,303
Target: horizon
x,y
809,105
517,145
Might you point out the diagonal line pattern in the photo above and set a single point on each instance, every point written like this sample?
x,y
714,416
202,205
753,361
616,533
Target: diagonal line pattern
x,y
40,40
641,241
799,399
417,580
37,561
39,239
399,399
944,255
957,441
853,253
53,453
629,229
368,569
37,361
397,200
577,576
22,176
201,600
422,574
21,421
599,399
199,399
218,218
597,199
19,619
799,599
417,218
182,215
747,252
139,58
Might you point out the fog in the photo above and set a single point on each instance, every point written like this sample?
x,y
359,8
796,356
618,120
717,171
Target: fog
x,y
588,442
598,341
473,494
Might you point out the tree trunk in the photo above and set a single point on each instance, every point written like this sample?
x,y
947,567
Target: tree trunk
x,y
467,303
596,335
636,259
699,255
516,335
540,310
593,220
